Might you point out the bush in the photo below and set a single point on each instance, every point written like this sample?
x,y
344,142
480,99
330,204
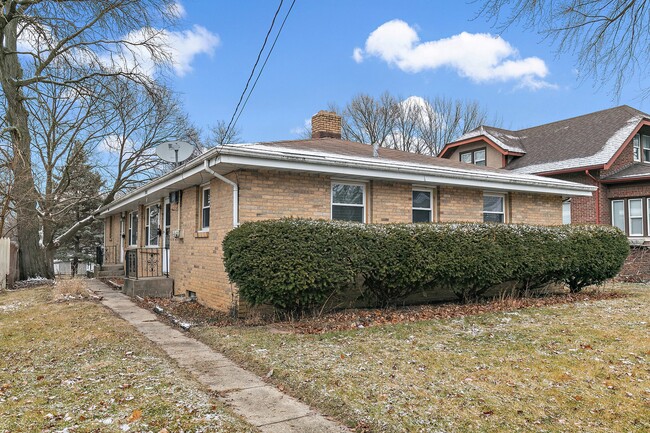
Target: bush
x,y
291,264
593,254
296,264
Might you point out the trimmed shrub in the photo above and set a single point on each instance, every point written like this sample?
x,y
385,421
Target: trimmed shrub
x,y
296,264
291,264
593,254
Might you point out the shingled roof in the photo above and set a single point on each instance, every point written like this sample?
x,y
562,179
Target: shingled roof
x,y
583,141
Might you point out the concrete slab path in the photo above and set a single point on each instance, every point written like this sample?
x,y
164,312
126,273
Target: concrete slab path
x,y
259,403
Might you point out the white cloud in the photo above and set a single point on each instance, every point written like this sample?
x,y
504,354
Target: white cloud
x,y
357,55
114,143
302,130
177,10
480,57
180,47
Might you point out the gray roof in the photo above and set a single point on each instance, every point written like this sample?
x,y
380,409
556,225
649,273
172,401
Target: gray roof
x,y
636,170
583,141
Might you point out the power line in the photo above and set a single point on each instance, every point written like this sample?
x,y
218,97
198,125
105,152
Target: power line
x,y
259,55
265,60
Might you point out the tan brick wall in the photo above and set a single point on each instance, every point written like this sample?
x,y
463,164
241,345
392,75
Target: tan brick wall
x,y
460,204
390,202
196,258
540,209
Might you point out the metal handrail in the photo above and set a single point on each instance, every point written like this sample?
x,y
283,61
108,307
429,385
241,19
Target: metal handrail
x,y
145,262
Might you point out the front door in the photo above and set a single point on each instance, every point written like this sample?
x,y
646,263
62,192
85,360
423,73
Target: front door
x,y
165,234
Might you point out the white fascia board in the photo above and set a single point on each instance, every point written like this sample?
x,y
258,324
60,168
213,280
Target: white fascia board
x,y
151,188
474,180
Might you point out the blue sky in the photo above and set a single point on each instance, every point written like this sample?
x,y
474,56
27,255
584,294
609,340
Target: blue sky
x,y
409,48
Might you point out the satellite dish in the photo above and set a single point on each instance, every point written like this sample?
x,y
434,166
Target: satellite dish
x,y
174,151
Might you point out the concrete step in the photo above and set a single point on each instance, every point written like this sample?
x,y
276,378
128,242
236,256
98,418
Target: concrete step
x,y
113,266
109,273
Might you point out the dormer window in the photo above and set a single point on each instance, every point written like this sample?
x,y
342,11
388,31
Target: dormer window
x,y
645,143
476,157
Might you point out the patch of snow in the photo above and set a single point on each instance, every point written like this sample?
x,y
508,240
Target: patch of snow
x,y
601,157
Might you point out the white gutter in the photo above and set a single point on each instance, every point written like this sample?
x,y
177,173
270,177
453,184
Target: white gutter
x,y
235,192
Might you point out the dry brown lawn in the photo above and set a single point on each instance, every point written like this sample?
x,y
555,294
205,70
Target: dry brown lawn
x,y
75,367
577,367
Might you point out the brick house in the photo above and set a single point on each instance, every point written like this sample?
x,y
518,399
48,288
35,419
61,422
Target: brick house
x,y
608,149
173,226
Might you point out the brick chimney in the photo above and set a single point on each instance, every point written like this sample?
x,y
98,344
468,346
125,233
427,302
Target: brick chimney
x,y
326,124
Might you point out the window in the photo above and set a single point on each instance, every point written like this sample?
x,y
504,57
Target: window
x,y
566,211
493,208
479,157
476,157
636,144
618,214
348,202
151,225
635,212
133,228
422,206
205,208
645,142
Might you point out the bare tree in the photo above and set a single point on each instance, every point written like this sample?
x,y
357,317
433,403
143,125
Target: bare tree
x,y
367,119
419,125
72,45
220,134
610,38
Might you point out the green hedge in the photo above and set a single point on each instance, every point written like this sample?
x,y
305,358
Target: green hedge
x,y
297,264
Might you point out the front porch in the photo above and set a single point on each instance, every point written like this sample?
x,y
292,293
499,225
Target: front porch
x,y
145,270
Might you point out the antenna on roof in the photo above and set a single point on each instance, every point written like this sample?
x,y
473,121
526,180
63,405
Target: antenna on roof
x,y
174,151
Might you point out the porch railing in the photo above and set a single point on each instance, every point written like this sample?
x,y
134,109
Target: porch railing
x,y
146,262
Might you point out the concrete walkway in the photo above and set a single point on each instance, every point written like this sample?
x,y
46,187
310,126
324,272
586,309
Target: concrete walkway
x,y
259,403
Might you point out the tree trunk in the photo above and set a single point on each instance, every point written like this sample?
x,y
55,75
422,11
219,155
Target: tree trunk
x,y
31,254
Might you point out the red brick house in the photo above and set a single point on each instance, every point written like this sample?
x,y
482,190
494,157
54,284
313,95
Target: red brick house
x,y
170,230
608,149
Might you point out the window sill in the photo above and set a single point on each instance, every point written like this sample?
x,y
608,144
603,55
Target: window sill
x,y
202,234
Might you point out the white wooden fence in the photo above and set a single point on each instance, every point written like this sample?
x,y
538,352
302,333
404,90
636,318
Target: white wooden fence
x,y
5,261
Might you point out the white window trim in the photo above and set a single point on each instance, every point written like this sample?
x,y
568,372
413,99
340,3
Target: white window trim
x,y
642,148
478,160
629,217
566,202
503,201
147,225
636,144
203,228
131,228
363,198
612,212
430,209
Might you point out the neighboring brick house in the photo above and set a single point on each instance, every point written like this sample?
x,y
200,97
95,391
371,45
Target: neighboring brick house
x,y
608,149
176,224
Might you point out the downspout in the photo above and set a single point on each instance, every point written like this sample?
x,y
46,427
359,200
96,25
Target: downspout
x,y
235,192
597,195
